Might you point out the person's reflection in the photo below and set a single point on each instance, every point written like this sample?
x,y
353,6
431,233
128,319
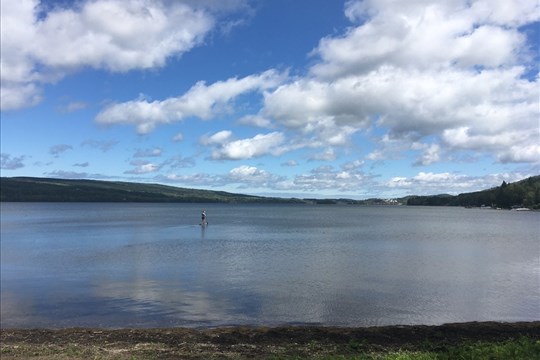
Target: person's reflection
x,y
203,232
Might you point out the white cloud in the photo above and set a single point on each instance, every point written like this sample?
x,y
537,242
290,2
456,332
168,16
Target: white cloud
x,y
431,153
20,94
250,175
399,181
259,145
243,177
429,183
407,103
391,147
452,73
327,155
329,111
218,138
178,137
326,178
256,120
143,167
353,165
527,154
431,177
202,101
114,35
426,35
376,155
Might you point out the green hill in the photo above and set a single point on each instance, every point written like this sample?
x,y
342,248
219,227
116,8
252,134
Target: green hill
x,y
524,193
61,190
31,189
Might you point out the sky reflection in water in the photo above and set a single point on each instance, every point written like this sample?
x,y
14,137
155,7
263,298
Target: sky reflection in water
x,y
151,265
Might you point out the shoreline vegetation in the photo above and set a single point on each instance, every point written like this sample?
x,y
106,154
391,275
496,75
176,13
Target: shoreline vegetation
x,y
524,194
474,340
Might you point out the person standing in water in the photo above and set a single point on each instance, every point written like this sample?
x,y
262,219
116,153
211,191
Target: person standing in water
x,y
203,218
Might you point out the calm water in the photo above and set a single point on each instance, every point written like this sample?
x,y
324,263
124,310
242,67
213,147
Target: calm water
x,y
151,265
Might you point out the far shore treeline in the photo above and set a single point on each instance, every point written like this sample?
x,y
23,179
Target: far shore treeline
x,y
524,193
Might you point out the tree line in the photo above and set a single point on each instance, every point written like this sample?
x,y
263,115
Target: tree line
x,y
524,193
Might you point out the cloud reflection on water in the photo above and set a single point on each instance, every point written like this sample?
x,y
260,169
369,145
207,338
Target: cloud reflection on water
x,y
267,265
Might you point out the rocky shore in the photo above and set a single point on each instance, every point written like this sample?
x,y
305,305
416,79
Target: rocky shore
x,y
252,342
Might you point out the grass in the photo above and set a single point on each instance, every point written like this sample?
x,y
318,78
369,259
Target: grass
x,y
282,345
520,349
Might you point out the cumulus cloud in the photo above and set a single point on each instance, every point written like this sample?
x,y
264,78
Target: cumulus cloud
x,y
259,145
429,183
329,111
518,154
327,155
218,138
426,35
11,163
353,165
256,120
202,101
143,167
454,72
326,178
347,179
250,176
430,153
41,45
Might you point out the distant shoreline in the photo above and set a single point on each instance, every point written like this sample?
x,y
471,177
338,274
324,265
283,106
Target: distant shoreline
x,y
521,194
262,342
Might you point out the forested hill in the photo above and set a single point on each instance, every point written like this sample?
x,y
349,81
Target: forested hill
x,y
524,193
62,190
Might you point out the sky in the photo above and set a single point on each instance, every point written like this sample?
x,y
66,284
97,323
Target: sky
x,y
303,98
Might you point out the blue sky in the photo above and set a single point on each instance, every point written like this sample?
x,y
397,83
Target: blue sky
x,y
309,98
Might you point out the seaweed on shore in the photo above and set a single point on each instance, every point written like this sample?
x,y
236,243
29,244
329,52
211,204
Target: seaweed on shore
x,y
483,340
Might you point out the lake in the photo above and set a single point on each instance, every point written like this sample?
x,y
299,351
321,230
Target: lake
x,y
151,265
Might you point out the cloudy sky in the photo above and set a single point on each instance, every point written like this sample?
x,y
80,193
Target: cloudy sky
x,y
380,98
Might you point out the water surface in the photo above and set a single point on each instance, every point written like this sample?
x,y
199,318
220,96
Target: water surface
x,y
152,265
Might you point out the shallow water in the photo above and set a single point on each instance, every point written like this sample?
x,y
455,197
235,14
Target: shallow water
x,y
152,265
